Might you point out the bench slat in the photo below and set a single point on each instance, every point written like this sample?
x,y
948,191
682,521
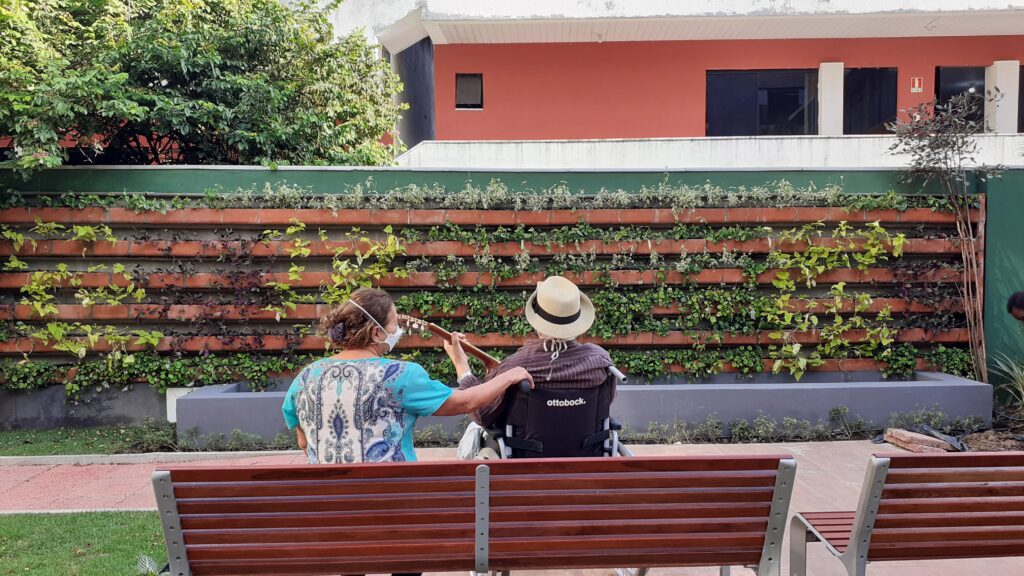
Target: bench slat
x,y
515,545
950,520
964,459
645,557
508,529
340,565
264,519
654,557
953,475
946,549
646,480
958,490
314,487
944,534
466,469
300,549
932,505
498,499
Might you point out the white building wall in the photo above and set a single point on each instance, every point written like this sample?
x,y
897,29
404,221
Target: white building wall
x,y
776,152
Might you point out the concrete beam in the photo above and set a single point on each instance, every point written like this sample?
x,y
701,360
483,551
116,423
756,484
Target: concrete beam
x,y
1002,79
725,153
830,98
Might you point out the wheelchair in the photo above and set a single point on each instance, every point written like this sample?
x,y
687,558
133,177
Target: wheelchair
x,y
537,422
529,431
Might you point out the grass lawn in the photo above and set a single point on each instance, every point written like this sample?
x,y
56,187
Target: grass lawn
x,y
149,436
103,440
80,544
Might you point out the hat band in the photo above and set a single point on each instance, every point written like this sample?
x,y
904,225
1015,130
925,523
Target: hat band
x,y
562,320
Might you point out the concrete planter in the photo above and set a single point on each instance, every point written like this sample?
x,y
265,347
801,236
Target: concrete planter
x,y
224,408
171,399
49,408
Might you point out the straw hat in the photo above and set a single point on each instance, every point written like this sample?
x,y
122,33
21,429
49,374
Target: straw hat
x,y
558,309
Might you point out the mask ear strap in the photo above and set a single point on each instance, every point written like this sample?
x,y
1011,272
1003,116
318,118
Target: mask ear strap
x,y
368,315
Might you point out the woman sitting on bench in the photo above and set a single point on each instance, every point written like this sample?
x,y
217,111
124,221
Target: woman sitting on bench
x,y
357,406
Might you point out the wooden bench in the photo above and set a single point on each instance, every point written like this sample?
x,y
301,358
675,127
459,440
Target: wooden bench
x,y
459,515
923,507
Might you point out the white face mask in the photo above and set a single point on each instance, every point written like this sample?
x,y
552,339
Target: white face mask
x,y
392,337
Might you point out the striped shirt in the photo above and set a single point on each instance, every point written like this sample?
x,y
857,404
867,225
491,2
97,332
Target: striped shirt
x,y
577,366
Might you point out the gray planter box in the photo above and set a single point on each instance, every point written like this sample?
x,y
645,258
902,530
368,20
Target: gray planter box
x,y
49,408
227,407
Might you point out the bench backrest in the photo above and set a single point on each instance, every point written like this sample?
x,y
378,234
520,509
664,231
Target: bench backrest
x,y
457,515
959,505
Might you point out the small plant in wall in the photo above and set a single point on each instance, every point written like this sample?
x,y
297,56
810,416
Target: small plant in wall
x,y
360,266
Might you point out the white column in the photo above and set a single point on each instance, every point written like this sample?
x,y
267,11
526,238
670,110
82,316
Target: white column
x,y
1001,114
830,98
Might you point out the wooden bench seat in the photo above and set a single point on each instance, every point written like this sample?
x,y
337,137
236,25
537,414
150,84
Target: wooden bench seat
x,y
464,516
920,507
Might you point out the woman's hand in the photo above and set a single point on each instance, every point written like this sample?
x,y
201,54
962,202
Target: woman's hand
x,y
458,356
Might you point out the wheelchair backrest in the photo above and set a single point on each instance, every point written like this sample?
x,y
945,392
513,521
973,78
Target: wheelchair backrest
x,y
546,423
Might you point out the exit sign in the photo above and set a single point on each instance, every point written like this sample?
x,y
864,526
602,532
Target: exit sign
x,y
916,84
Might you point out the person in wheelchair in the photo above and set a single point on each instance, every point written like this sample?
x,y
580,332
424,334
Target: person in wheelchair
x,y
567,412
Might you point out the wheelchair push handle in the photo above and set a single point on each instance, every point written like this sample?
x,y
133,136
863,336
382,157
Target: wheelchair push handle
x,y
617,374
524,386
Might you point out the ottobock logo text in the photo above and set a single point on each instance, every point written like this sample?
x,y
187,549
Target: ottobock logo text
x,y
564,403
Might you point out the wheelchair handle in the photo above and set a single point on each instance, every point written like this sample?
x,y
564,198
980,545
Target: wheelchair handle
x,y
524,386
618,375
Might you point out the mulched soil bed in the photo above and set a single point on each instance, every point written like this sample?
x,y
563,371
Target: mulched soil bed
x,y
1008,434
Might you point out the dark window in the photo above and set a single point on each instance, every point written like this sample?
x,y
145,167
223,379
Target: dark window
x,y
762,102
869,100
469,90
1020,102
953,80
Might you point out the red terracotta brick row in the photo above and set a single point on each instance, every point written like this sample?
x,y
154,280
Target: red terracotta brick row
x,y
844,365
204,280
200,217
192,249
309,343
307,312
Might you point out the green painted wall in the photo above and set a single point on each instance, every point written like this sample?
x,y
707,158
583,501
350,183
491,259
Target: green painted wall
x,y
194,180
1004,263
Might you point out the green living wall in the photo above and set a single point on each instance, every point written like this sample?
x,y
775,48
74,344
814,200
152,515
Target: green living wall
x,y
171,252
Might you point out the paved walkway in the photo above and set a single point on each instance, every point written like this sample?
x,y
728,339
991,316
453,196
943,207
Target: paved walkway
x,y
829,475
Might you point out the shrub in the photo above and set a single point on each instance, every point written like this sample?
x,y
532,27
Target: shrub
x,y
201,82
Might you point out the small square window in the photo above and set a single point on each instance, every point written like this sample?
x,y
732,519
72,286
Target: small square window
x,y
469,91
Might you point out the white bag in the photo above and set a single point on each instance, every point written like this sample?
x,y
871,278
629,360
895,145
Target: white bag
x,y
469,445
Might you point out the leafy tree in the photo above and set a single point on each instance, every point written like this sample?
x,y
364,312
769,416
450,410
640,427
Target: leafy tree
x,y
941,143
189,81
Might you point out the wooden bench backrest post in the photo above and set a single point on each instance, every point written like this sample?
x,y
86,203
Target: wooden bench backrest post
x,y
456,516
934,506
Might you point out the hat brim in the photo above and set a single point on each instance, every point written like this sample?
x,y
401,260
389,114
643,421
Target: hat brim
x,y
561,331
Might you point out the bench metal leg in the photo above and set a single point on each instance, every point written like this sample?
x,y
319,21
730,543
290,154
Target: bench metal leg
x,y
799,536
725,571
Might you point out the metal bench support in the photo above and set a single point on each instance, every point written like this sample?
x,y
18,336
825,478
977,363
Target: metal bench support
x,y
483,518
855,557
171,522
771,553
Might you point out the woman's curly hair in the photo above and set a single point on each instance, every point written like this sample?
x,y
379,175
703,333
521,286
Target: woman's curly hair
x,y
347,326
